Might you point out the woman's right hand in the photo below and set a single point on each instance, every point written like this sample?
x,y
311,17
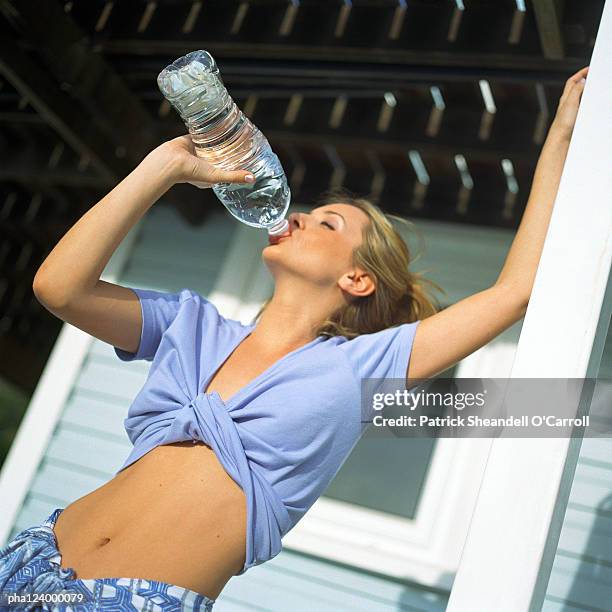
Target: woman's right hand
x,y
185,166
567,110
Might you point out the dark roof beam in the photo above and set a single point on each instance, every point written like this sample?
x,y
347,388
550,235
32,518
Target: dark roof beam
x,y
56,108
304,75
548,18
85,75
431,148
421,185
343,16
518,23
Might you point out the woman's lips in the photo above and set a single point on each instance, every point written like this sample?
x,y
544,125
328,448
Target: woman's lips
x,y
277,239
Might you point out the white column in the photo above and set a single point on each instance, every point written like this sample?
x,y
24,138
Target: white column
x,y
515,528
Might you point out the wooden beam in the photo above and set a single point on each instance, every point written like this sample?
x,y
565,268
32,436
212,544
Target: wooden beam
x,y
548,15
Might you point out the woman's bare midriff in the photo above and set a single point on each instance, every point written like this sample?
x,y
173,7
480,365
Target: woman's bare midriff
x,y
175,515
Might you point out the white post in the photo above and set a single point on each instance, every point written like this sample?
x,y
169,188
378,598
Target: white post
x,y
513,536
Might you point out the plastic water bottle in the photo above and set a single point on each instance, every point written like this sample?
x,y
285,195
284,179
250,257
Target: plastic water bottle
x,y
224,137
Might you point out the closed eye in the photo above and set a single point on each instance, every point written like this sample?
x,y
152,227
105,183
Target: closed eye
x,y
328,225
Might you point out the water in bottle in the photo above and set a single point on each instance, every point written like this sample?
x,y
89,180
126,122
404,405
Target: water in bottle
x,y
224,137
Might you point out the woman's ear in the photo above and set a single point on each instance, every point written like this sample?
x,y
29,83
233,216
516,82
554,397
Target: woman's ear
x,y
357,283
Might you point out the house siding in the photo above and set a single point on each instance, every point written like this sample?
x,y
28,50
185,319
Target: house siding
x,y
581,577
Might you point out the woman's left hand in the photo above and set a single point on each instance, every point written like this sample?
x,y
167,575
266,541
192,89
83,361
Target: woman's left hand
x,y
565,118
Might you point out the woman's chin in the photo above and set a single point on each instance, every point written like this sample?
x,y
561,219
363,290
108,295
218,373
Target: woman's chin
x,y
269,248
270,253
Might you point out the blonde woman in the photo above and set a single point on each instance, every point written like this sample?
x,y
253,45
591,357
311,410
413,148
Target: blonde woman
x,y
240,428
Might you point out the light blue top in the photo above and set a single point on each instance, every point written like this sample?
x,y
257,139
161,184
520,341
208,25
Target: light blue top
x,y
283,437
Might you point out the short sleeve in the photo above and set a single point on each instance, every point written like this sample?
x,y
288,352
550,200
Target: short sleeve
x,y
383,354
159,309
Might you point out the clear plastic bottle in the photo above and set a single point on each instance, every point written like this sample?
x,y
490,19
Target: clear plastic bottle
x,y
223,136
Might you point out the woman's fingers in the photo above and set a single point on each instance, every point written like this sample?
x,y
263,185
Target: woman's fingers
x,y
567,111
206,173
575,79
582,73
241,176
231,176
201,173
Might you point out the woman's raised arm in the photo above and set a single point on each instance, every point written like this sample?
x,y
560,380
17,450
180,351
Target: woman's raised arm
x,y
75,264
68,281
457,331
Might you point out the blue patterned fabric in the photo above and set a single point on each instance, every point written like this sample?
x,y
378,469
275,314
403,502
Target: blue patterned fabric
x,y
30,564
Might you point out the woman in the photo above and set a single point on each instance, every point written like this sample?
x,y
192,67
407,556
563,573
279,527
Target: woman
x,y
240,428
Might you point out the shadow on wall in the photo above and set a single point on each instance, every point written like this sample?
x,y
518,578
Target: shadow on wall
x,y
592,570
13,404
430,600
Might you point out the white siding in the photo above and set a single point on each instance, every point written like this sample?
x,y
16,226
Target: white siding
x,y
581,576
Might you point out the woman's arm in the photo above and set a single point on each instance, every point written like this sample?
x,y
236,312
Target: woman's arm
x,y
68,281
445,338
75,264
522,261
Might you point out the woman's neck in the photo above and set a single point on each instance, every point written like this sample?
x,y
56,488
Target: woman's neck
x,y
291,320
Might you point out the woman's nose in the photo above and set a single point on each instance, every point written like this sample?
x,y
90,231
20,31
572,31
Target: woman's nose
x,y
296,221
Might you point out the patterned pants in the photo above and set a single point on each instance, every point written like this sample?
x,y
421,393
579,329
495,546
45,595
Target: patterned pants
x,y
31,578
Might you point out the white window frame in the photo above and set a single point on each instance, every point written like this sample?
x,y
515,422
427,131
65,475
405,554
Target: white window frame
x,y
514,532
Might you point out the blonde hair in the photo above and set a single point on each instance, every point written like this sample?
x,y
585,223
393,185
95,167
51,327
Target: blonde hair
x,y
401,296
